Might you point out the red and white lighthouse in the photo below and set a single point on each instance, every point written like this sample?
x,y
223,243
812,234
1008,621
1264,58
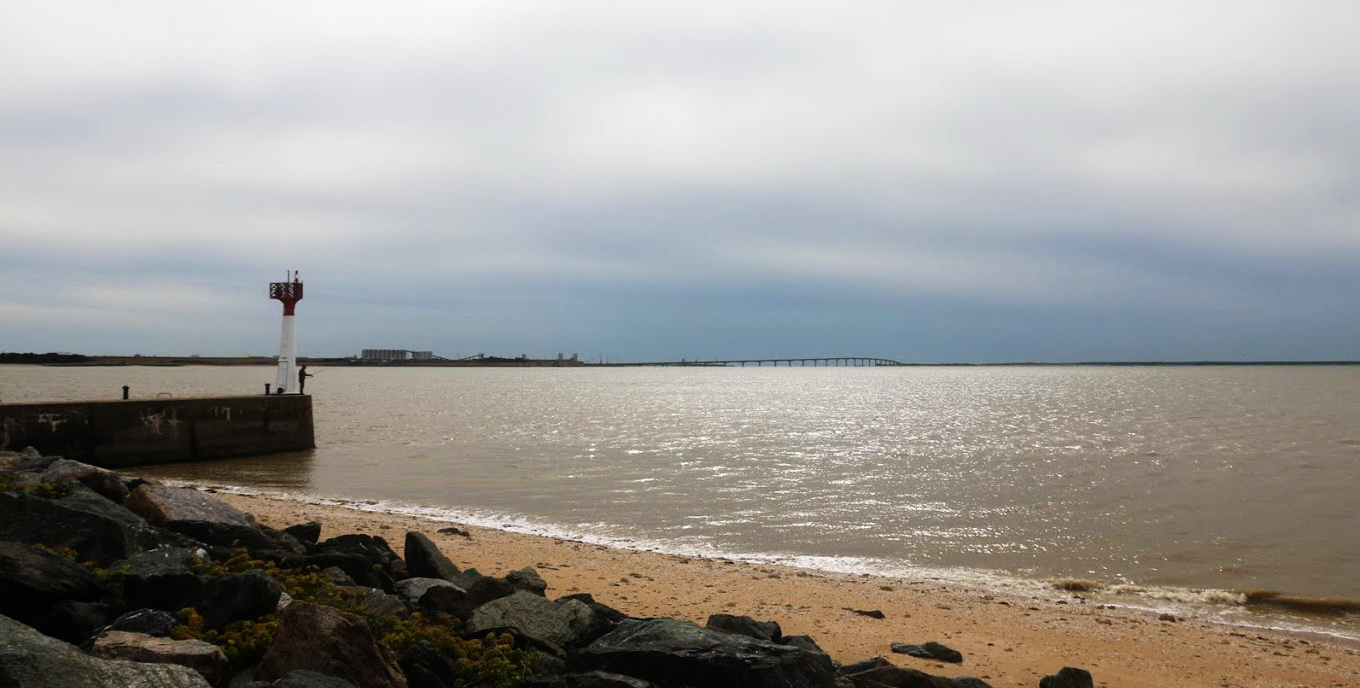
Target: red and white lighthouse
x,y
289,292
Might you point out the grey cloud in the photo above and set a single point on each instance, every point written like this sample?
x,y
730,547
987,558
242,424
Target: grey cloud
x,y
487,158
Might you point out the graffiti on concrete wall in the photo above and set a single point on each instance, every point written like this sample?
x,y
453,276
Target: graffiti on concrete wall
x,y
164,421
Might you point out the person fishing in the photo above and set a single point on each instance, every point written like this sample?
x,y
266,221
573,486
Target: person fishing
x,y
302,378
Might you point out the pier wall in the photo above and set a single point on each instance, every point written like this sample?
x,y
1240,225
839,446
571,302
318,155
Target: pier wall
x,y
162,430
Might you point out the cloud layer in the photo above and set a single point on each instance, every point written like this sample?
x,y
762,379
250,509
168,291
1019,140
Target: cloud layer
x,y
926,181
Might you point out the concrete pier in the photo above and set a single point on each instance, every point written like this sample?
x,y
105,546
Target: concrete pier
x,y
114,434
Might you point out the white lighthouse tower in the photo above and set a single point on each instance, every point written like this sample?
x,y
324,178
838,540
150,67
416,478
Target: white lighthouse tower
x,y
289,292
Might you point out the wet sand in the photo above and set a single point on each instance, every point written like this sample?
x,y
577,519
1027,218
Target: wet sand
x,y
1006,639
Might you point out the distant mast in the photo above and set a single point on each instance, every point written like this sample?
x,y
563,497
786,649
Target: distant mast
x,y
289,292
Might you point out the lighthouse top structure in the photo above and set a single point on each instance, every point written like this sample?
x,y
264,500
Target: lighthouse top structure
x,y
289,291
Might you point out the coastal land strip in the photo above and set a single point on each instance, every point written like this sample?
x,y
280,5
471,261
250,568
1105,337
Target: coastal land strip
x,y
1007,639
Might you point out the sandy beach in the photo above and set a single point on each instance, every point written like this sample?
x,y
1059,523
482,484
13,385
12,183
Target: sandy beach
x,y
1006,639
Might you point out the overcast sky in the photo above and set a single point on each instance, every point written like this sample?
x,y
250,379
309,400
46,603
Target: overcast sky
x,y
925,181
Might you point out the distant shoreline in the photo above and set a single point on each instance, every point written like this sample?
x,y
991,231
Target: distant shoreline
x,y
79,360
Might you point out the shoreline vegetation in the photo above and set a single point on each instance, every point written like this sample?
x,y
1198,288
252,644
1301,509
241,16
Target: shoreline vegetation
x,y
482,361
149,550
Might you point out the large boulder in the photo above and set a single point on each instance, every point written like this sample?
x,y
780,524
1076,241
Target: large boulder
x,y
94,537
329,641
929,650
359,569
303,679
426,666
371,547
383,564
672,654
198,515
144,536
205,658
1067,677
900,677
308,532
528,580
482,589
375,602
586,679
72,620
162,505
238,597
424,560
437,594
745,625
164,579
33,580
561,623
157,622
101,480
604,618
33,660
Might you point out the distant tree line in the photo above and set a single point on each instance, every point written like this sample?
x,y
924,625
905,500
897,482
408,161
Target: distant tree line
x,y
51,357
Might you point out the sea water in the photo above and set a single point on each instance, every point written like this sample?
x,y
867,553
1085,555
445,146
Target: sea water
x,y
1231,489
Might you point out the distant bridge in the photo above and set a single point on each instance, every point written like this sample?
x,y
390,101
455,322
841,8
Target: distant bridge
x,y
827,362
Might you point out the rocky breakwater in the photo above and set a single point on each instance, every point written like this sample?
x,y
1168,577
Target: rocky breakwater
x,y
106,581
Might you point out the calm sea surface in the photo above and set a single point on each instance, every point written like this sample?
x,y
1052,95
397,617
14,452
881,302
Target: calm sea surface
x,y
1171,485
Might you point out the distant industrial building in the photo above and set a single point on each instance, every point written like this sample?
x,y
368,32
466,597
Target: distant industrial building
x,y
396,355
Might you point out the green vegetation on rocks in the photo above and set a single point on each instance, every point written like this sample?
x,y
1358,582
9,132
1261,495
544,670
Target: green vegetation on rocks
x,y
491,661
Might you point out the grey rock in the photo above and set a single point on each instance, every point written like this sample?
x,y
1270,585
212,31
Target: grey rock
x,y
970,682
370,547
378,603
303,679
676,653
73,621
164,579
359,569
337,575
204,658
1067,677
200,516
238,597
33,660
412,589
329,641
94,537
587,679
528,580
605,619
930,650
745,625
426,667
898,677
33,580
101,480
802,642
561,623
863,665
482,589
144,536
439,595
424,560
157,622
161,505
308,532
